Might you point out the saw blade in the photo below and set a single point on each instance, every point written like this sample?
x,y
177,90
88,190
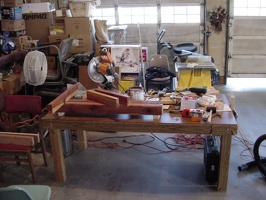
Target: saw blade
x,y
93,73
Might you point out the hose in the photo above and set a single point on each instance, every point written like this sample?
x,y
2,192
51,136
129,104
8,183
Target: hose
x,y
258,159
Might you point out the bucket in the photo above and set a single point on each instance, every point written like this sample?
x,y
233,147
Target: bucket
x,y
135,93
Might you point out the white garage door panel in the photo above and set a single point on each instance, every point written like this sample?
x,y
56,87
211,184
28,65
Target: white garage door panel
x,y
249,65
249,47
249,27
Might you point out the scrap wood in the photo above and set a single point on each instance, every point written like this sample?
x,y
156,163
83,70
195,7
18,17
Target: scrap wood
x,y
53,106
36,136
103,98
123,98
93,108
17,139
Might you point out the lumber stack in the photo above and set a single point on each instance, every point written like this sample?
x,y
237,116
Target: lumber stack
x,y
103,102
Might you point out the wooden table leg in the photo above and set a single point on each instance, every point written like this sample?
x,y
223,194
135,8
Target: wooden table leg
x,y
224,162
82,140
58,155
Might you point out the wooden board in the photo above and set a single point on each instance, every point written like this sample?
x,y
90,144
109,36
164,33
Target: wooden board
x,y
103,98
123,98
17,139
53,106
91,108
36,136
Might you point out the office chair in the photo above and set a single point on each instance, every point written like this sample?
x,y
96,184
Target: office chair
x,y
25,192
158,74
32,105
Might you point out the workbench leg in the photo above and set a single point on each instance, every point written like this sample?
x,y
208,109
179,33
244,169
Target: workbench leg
x,y
58,155
224,162
82,140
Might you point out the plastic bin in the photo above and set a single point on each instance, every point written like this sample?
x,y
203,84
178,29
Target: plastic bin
x,y
118,34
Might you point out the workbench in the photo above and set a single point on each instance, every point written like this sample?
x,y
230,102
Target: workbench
x,y
225,127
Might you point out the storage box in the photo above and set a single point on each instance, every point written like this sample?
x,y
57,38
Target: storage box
x,y
56,39
51,62
127,57
57,30
11,84
125,84
13,25
78,25
11,13
38,7
82,43
11,3
81,9
188,102
37,25
21,39
118,34
14,33
59,16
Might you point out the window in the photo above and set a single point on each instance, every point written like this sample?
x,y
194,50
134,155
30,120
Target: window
x,y
105,14
250,7
135,15
149,14
180,14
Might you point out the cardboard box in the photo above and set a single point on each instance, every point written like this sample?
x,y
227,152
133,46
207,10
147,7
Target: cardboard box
x,y
81,9
20,39
60,15
20,47
38,7
1,85
11,3
56,39
13,25
11,84
57,30
127,57
51,62
188,102
11,13
37,25
82,43
14,33
78,25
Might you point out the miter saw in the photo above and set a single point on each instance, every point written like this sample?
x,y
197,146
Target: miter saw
x,y
101,70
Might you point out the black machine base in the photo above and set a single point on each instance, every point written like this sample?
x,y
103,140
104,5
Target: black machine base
x,y
211,158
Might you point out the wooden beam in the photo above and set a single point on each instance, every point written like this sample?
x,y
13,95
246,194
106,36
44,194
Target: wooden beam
x,y
36,136
17,140
103,98
90,108
123,98
53,106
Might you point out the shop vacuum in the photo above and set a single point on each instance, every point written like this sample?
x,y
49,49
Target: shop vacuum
x,y
211,158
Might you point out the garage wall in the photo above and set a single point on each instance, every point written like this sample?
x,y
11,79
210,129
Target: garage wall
x,y
248,47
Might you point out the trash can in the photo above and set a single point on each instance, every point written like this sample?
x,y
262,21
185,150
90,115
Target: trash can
x,y
67,142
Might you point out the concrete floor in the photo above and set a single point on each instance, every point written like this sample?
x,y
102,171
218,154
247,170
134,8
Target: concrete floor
x,y
148,173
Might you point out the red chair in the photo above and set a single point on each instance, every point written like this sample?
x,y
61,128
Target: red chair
x,y
31,105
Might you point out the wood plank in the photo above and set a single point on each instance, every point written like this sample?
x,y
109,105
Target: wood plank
x,y
17,140
123,98
135,107
53,106
103,98
36,136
